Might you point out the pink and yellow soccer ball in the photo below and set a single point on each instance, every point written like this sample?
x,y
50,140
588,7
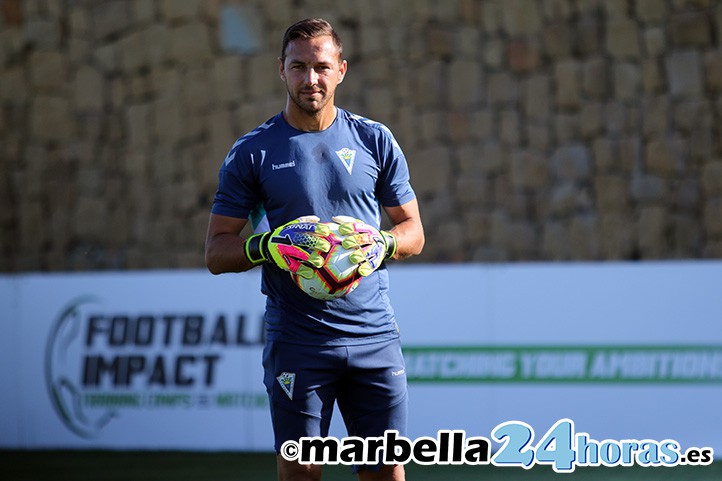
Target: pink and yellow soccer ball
x,y
337,277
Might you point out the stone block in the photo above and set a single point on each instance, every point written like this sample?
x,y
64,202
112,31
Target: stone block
x,y
617,236
557,9
280,12
465,84
651,11
138,125
529,170
503,89
157,44
630,150
88,90
32,227
491,16
431,170
713,70
478,228
567,77
90,219
538,135
558,40
380,104
429,122
473,192
143,12
521,18
110,18
522,240
572,163
467,41
522,56
712,178
652,227
653,81
655,41
627,81
616,9
649,188
605,154
687,236
133,52
566,127
662,158
684,74
196,90
595,77
459,127
181,10
42,33
168,123
51,119
190,43
589,36
690,29
622,39
567,198
48,71
377,70
591,119
556,241
584,237
687,193
478,160
429,87
509,127
14,87
493,53
439,41
536,97
500,223
611,193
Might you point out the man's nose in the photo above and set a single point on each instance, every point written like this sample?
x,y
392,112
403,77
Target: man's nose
x,y
311,76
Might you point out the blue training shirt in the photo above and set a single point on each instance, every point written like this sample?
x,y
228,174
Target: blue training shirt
x,y
351,168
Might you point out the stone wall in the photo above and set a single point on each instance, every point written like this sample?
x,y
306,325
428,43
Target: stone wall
x,y
534,130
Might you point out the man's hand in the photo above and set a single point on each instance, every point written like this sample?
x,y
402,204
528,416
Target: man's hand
x,y
371,246
294,247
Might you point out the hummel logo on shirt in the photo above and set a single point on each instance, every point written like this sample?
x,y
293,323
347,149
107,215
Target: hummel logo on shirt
x,y
284,166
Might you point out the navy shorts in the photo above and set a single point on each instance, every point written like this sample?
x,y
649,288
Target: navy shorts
x,y
367,381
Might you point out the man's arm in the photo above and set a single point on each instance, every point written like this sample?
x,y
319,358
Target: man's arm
x,y
407,229
224,246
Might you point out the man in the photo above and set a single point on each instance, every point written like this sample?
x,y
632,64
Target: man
x,y
314,159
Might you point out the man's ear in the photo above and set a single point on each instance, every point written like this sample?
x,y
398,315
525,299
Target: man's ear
x,y
281,69
342,69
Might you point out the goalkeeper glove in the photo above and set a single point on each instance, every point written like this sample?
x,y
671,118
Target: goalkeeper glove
x,y
371,246
294,247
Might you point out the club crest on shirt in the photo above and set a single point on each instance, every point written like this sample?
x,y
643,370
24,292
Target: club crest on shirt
x,y
287,380
348,157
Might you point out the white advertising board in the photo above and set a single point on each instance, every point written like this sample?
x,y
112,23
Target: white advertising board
x,y
172,359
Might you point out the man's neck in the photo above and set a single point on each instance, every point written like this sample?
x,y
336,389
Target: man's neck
x,y
298,119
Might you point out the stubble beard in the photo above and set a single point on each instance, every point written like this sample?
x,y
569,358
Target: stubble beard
x,y
308,107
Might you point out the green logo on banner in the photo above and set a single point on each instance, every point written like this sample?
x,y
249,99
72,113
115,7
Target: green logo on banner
x,y
564,364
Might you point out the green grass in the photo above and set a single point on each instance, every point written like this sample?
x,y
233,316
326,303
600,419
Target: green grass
x,y
195,466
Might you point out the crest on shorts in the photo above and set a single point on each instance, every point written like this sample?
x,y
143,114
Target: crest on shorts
x,y
348,157
287,380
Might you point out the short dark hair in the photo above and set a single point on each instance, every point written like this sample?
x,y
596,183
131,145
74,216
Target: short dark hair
x,y
310,28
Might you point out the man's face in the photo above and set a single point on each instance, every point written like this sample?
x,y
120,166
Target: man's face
x,y
311,71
